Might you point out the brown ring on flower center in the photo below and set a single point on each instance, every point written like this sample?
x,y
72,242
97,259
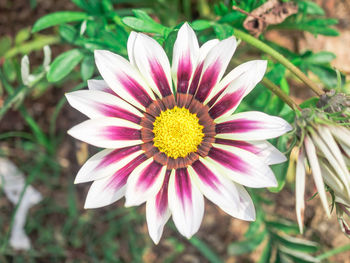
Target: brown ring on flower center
x,y
195,107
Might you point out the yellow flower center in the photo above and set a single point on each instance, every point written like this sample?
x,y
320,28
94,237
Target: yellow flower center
x,y
177,132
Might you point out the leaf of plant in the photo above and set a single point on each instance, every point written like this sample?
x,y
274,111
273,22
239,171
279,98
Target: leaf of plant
x,y
22,35
223,31
207,252
311,8
246,245
327,75
87,68
68,33
18,95
64,64
299,257
322,57
284,226
58,18
201,24
296,243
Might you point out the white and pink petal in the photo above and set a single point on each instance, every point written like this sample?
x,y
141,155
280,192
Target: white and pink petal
x,y
106,163
96,104
100,85
108,132
153,64
157,211
251,126
221,191
186,203
110,189
124,79
263,149
144,182
244,79
214,67
185,57
241,166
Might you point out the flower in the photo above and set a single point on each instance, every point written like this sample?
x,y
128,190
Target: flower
x,y
325,153
168,146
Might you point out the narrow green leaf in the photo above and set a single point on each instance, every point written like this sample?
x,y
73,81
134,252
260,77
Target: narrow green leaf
x,y
68,33
205,250
311,8
322,57
296,243
22,35
18,95
299,257
201,24
87,68
64,64
57,19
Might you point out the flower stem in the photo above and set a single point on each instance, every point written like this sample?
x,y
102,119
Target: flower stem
x,y
277,91
279,57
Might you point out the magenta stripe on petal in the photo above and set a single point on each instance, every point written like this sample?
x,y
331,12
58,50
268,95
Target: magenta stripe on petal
x,y
184,71
121,133
195,79
183,185
229,160
207,176
160,78
162,196
226,103
135,90
120,177
149,175
115,111
239,144
212,101
237,126
117,155
208,81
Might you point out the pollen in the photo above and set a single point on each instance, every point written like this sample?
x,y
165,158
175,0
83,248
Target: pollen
x,y
177,132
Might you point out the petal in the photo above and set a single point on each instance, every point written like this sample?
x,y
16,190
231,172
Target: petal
x,y
251,126
110,189
108,132
130,46
153,63
144,182
265,150
157,211
221,191
241,166
300,190
243,79
316,172
214,67
185,56
106,163
203,52
186,203
100,85
123,79
95,104
324,147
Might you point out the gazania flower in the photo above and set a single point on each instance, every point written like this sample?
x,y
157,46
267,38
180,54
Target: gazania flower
x,y
168,145
324,153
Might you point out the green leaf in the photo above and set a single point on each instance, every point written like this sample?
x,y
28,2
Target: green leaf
x,y
247,245
10,69
322,57
87,68
327,75
22,36
201,24
57,19
64,64
169,44
223,31
299,257
283,225
68,33
206,251
5,44
311,8
296,243
232,17
10,101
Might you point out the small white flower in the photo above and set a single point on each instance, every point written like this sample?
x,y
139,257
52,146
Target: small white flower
x,y
168,146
